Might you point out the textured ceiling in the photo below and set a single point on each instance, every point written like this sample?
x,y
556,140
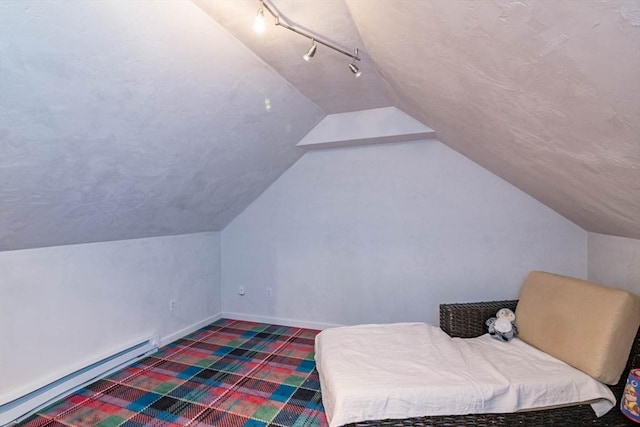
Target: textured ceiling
x,y
545,94
124,119
133,119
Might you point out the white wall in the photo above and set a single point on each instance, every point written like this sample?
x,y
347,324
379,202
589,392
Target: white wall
x,y
385,233
614,261
61,307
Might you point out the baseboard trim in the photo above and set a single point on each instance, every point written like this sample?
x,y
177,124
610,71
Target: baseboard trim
x,y
25,404
13,411
189,329
277,321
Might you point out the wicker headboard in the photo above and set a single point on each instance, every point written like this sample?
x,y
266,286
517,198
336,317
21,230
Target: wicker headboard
x,y
466,320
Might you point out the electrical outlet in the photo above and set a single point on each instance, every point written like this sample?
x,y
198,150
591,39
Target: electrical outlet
x,y
241,291
269,292
172,305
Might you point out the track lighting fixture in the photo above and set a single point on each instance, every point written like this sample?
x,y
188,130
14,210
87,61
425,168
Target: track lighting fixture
x,y
312,51
281,21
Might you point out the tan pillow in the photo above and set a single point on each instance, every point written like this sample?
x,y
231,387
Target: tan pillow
x,y
591,327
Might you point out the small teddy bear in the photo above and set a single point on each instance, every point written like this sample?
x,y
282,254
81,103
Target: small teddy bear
x,y
503,326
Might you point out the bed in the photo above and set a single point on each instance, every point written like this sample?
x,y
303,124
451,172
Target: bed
x,y
413,374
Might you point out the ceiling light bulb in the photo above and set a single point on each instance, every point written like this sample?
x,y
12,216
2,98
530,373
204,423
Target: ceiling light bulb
x,y
259,25
312,51
355,70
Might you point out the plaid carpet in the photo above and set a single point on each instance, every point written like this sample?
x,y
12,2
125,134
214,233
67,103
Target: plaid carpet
x,y
228,374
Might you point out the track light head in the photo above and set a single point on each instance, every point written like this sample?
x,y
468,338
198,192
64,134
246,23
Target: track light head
x,y
355,70
258,24
312,51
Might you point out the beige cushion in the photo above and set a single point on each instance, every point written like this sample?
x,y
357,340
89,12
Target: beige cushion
x,y
591,327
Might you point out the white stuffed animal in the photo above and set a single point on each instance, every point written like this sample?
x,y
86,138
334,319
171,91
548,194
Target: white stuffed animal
x,y
503,326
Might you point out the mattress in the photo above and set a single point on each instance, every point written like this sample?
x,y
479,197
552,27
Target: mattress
x,y
405,370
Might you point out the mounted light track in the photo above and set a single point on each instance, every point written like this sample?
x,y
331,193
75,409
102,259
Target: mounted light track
x,y
281,21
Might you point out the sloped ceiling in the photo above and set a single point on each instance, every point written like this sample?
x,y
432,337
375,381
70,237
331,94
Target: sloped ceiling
x,y
125,119
135,119
545,94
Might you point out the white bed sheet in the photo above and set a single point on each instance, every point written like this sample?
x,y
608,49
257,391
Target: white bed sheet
x,y
404,370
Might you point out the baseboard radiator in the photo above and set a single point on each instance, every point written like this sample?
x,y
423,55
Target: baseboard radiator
x,y
15,410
